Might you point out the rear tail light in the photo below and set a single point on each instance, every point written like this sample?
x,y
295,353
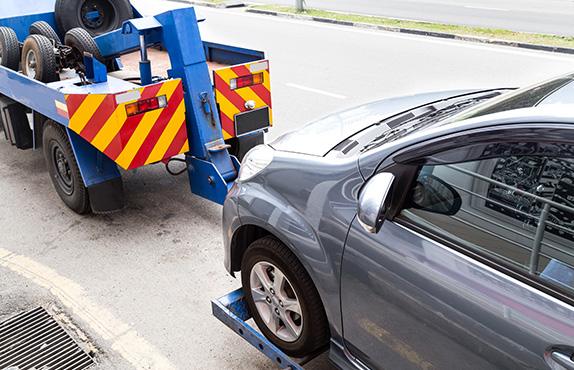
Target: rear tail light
x,y
146,105
245,81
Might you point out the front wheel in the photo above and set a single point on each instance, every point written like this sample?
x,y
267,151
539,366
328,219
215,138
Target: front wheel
x,y
282,298
63,168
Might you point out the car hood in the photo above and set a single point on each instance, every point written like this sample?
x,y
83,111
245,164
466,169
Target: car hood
x,y
321,136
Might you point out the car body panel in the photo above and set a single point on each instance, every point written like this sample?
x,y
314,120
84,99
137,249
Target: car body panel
x,y
410,303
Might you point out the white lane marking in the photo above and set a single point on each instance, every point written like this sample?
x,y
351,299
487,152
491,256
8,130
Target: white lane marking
x,y
316,91
486,8
124,339
423,39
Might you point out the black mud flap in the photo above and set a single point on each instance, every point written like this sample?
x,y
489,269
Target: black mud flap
x,y
241,145
107,196
15,124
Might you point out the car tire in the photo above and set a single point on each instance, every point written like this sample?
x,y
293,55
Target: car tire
x,y
63,168
44,29
82,42
9,49
39,59
274,305
109,15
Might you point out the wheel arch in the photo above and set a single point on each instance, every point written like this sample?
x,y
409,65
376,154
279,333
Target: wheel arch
x,y
247,233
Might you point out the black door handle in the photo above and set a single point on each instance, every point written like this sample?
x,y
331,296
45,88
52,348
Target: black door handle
x,y
563,359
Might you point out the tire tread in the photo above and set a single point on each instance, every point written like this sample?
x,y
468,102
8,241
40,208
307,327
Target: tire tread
x,y
81,40
47,71
44,29
10,48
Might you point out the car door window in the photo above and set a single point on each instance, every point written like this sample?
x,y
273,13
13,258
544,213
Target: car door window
x,y
513,203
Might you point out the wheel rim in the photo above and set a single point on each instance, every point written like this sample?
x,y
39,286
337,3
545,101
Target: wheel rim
x,y
31,64
63,173
276,301
97,14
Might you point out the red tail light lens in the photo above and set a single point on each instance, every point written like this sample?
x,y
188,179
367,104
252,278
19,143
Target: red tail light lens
x,y
146,105
245,81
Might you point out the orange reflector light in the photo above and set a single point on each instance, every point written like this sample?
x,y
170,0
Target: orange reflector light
x,y
146,105
245,81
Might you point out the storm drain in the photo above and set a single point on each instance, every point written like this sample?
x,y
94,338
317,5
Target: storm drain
x,y
34,340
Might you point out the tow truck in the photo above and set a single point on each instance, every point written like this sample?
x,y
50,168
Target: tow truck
x,y
96,105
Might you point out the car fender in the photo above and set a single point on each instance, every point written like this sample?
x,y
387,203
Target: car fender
x,y
295,231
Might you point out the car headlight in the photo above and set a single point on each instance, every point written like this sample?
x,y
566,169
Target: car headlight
x,y
255,161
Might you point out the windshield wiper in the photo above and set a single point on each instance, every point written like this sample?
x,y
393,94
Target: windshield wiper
x,y
432,114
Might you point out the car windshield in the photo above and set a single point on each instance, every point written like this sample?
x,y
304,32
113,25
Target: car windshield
x,y
556,91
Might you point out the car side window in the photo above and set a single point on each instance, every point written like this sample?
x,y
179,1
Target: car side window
x,y
513,203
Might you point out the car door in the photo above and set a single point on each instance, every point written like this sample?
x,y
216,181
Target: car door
x,y
474,266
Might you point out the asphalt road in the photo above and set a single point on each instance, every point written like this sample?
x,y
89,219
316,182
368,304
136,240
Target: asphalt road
x,y
540,16
139,282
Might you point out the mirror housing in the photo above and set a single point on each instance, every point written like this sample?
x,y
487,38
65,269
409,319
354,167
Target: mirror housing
x,y
372,201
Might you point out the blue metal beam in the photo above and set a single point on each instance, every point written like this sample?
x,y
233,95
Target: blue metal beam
x,y
181,38
232,310
32,93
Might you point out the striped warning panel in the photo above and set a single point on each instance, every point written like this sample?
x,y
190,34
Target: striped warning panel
x,y
133,139
236,86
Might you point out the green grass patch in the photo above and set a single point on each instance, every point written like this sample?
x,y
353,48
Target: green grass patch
x,y
493,33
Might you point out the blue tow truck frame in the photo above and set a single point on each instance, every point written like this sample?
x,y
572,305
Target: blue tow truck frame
x,y
211,169
232,310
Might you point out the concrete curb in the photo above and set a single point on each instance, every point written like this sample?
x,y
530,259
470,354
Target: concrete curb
x,y
225,5
443,35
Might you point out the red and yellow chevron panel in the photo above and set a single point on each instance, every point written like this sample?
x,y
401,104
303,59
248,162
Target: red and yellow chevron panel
x,y
137,139
232,97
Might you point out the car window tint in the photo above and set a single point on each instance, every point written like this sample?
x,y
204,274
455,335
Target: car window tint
x,y
510,202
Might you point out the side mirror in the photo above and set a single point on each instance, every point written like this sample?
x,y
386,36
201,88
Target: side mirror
x,y
372,201
433,194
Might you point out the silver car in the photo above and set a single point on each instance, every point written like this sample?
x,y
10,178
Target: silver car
x,y
433,231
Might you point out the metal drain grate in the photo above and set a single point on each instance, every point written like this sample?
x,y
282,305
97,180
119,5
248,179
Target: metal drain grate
x,y
34,340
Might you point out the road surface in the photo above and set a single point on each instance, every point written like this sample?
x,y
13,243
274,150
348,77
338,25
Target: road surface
x,y
139,282
539,16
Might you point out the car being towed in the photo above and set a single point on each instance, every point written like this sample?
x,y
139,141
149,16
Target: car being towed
x,y
429,231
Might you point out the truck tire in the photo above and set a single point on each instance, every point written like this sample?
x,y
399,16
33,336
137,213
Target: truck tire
x,y
39,59
82,42
95,16
44,29
63,168
9,49
277,305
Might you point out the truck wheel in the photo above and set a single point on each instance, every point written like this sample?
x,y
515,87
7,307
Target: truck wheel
x,y
39,59
63,168
282,298
44,29
9,49
82,42
95,16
